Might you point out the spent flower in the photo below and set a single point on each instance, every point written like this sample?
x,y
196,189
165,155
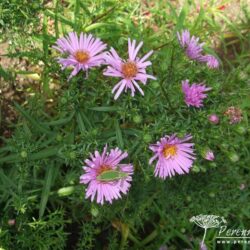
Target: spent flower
x,y
234,114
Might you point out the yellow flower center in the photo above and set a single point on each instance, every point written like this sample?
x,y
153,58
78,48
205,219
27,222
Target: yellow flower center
x,y
169,150
82,56
129,69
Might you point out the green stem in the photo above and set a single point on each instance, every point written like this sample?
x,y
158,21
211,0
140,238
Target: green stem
x,y
149,237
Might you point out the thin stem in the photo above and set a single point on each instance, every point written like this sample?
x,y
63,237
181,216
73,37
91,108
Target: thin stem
x,y
161,46
204,236
103,15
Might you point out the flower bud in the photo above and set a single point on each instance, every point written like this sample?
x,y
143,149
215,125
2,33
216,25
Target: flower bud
x,y
195,169
24,154
11,222
155,85
137,119
59,137
240,130
94,211
209,155
72,155
214,119
147,138
66,191
233,157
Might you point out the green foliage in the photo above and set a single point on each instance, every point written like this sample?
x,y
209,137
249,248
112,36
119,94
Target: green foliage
x,y
56,129
16,14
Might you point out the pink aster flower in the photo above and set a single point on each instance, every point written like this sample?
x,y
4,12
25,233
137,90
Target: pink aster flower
x,y
106,163
191,45
174,155
80,53
211,61
194,49
131,70
213,118
194,94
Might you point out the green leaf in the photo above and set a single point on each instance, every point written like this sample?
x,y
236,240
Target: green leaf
x,y
86,120
95,26
80,123
106,109
34,122
46,189
62,121
119,135
181,19
59,17
5,74
43,154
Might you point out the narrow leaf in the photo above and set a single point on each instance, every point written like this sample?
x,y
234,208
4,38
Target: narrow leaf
x,y
46,190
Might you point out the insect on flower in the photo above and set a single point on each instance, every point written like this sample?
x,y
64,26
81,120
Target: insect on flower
x,y
105,176
112,175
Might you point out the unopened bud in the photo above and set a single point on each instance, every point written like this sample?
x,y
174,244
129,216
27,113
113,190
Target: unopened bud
x,y
66,191
137,119
214,119
233,157
24,154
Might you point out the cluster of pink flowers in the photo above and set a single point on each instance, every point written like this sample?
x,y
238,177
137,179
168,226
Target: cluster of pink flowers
x,y
194,49
104,174
86,52
107,179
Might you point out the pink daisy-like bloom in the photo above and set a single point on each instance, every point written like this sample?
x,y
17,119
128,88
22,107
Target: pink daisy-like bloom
x,y
191,45
97,165
80,53
211,61
194,94
131,70
174,155
194,49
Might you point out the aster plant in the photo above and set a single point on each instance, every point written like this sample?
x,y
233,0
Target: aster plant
x,y
173,155
106,178
131,70
81,52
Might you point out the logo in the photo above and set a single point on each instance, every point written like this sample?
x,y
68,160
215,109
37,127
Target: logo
x,y
207,221
226,235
